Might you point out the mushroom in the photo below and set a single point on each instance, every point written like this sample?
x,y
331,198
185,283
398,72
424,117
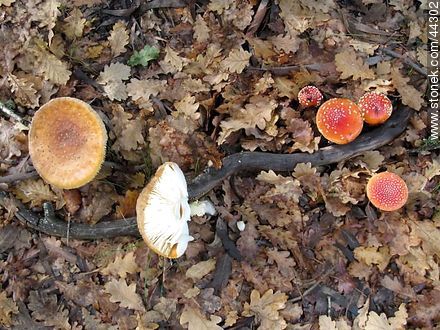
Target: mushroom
x,y
309,96
387,191
376,108
339,120
67,141
163,211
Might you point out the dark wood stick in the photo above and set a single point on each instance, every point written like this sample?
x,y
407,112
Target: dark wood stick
x,y
202,184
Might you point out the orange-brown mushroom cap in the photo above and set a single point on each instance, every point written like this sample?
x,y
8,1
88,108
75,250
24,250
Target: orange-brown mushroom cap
x,y
376,108
67,142
387,191
339,120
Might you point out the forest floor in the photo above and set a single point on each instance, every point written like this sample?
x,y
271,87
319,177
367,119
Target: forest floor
x,y
192,82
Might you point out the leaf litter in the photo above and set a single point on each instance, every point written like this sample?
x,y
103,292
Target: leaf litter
x,y
191,83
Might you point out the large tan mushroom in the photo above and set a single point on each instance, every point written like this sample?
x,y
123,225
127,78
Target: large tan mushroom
x,y
67,142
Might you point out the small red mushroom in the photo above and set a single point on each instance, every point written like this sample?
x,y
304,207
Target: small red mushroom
x,y
309,96
376,108
339,120
387,191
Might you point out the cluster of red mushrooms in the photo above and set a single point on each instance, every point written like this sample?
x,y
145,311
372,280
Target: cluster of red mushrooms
x,y
340,121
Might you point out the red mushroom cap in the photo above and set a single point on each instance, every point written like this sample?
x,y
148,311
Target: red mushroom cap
x,y
387,191
309,96
376,108
339,120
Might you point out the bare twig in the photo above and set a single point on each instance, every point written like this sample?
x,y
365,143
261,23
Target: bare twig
x,y
405,59
18,177
9,113
202,184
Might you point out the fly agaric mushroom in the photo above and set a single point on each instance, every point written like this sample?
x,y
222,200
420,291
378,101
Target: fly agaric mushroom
x,y
309,96
387,191
67,141
163,211
339,120
376,108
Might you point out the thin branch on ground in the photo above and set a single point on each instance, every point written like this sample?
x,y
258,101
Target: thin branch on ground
x,y
18,177
205,182
405,59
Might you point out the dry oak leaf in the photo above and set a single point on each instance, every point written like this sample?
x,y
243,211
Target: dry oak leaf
x,y
349,64
172,61
112,80
254,116
124,294
8,307
118,38
141,90
373,256
74,24
433,169
266,309
285,43
9,140
53,69
372,159
99,205
24,91
122,266
197,321
45,308
46,13
410,95
429,234
197,271
34,191
236,61
201,29
381,322
94,322
326,323
6,3
187,107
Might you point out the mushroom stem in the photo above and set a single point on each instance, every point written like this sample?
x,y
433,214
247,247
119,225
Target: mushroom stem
x,y
232,164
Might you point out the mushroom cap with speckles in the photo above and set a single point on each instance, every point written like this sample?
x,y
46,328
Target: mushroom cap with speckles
x,y
163,212
387,191
339,120
67,142
376,108
309,96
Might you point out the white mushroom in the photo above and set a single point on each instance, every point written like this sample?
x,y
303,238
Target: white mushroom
x,y
163,212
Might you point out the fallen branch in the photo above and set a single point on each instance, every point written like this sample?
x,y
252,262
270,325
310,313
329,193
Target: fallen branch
x,y
202,184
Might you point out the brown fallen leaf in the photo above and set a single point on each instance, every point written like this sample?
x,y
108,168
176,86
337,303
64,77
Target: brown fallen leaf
x,y
8,307
122,265
197,321
124,294
197,271
266,309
